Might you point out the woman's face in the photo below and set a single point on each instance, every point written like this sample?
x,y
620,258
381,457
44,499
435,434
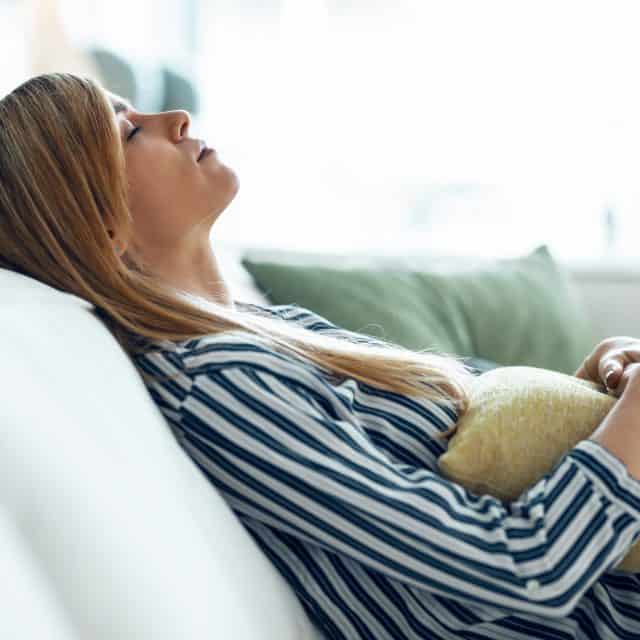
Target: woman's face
x,y
174,199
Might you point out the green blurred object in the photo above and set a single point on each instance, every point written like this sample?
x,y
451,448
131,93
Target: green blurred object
x,y
149,86
139,81
514,311
179,91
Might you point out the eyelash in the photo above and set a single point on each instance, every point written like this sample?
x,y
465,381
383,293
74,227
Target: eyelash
x,y
133,133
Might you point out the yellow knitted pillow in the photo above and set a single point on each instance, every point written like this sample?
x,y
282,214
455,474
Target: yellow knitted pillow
x,y
520,422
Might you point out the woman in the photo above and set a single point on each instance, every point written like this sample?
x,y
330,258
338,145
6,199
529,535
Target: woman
x,y
323,441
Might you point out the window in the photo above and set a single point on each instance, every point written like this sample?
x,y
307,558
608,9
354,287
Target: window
x,y
469,126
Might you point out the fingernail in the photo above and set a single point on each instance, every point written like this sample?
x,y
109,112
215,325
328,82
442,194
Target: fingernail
x,y
607,376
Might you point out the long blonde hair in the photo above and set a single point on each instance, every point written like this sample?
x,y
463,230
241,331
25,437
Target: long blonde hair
x,y
63,184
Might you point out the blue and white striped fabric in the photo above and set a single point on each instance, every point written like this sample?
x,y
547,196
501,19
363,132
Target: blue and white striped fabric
x,y
338,483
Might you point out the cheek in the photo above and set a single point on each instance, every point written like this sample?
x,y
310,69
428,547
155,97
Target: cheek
x,y
153,183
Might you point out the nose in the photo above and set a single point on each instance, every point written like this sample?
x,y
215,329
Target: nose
x,y
180,123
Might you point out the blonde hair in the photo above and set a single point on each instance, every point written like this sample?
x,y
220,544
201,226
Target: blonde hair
x,y
63,184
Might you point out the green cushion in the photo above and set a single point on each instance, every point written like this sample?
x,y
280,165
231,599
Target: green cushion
x,y
514,311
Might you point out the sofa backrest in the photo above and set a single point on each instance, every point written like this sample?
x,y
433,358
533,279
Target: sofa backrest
x,y
608,290
102,507
107,527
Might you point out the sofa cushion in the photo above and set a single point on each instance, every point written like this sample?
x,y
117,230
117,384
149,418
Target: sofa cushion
x,y
520,423
133,539
515,311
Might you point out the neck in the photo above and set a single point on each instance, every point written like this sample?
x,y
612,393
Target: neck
x,y
198,274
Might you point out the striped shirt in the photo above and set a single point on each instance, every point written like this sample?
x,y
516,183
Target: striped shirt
x,y
338,483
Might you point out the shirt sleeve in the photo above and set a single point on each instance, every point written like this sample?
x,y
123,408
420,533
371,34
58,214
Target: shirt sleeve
x,y
277,444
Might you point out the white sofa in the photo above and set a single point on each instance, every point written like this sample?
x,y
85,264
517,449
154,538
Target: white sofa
x,y
107,529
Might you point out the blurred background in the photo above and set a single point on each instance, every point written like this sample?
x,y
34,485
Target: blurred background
x,y
464,126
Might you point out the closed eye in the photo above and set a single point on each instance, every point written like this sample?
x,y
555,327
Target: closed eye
x,y
133,133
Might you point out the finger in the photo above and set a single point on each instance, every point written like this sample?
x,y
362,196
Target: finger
x,y
624,349
621,386
581,372
585,369
614,361
625,376
610,370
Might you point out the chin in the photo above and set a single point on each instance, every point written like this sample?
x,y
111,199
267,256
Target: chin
x,y
236,182
234,188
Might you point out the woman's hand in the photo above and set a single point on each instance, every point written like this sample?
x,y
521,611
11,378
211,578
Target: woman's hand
x,y
607,364
618,432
